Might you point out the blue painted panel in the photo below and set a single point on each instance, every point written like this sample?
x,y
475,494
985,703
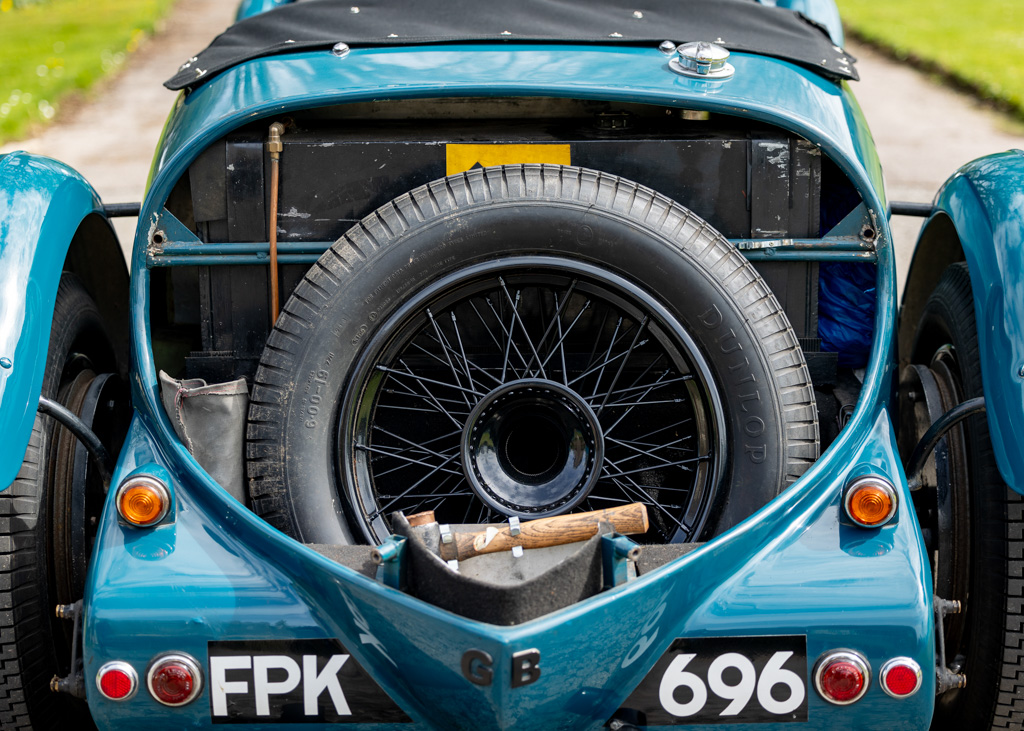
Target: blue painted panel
x,y
42,203
790,569
985,200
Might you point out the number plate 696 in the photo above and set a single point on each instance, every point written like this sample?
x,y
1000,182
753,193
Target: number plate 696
x,y
724,680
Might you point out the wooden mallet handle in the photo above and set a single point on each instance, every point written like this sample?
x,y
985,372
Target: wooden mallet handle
x,y
558,530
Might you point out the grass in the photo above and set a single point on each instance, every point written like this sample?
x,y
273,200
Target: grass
x,y
51,51
978,45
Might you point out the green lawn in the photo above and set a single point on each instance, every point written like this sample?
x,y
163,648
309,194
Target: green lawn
x,y
979,43
49,50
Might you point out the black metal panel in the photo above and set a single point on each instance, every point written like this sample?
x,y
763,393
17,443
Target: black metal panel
x,y
234,301
745,184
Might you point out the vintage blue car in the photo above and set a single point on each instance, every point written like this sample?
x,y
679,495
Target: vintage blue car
x,y
533,365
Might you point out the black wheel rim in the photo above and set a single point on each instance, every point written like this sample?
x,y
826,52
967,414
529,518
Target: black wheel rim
x,y
531,386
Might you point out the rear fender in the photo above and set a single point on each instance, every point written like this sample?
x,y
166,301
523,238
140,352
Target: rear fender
x,y
979,218
51,220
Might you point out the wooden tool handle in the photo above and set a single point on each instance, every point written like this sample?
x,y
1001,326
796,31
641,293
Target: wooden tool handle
x,y
555,531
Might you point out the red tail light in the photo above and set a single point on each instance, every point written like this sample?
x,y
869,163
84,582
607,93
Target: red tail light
x,y
174,679
900,677
842,676
117,681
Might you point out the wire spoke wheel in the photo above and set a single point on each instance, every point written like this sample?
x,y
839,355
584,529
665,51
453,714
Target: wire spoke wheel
x,y
530,388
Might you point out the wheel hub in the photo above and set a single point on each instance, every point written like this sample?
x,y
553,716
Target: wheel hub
x,y
532,448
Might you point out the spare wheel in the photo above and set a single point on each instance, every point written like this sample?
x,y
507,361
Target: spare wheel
x,y
527,340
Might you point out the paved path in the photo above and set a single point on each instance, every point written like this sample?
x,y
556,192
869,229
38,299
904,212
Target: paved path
x,y
111,139
924,132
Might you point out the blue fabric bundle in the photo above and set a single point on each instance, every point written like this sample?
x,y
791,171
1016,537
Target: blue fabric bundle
x,y
846,310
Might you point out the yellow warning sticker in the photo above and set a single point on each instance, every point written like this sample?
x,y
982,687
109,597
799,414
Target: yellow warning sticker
x,y
461,158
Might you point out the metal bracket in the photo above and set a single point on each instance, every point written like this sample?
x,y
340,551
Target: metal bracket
x,y
74,683
945,679
390,559
618,553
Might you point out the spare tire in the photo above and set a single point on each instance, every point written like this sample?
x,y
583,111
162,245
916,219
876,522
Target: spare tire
x,y
527,340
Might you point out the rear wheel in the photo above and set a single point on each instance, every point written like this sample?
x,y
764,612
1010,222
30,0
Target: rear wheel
x,y
971,519
48,519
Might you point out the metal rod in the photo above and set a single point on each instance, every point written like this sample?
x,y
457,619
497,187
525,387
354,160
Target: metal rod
x,y
100,456
275,146
206,261
257,254
935,432
906,208
819,255
121,210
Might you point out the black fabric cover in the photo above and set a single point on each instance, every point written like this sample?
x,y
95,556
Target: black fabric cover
x,y
739,25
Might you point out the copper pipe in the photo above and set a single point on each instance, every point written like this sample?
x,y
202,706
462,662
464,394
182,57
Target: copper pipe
x,y
275,146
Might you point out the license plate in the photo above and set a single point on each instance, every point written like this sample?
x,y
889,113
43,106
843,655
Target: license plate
x,y
294,681
723,680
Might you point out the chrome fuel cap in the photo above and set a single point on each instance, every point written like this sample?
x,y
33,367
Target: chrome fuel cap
x,y
702,60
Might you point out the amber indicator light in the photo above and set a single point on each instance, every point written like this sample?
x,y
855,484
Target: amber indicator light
x,y
901,677
870,501
143,501
117,681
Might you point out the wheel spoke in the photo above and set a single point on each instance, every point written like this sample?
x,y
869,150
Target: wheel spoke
x,y
462,350
628,411
377,513
468,361
622,365
600,375
423,379
680,463
560,345
555,321
642,452
516,318
417,446
509,344
445,347
399,456
657,384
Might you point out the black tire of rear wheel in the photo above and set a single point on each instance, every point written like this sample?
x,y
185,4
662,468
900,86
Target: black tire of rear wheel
x,y
993,634
34,644
524,211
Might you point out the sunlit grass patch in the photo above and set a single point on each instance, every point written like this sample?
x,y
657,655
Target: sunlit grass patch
x,y
979,44
54,48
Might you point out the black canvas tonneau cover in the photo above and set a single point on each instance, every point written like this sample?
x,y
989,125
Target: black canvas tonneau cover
x,y
739,25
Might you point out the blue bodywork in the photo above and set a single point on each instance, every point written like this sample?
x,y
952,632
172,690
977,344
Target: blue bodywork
x,y
216,572
985,203
42,204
